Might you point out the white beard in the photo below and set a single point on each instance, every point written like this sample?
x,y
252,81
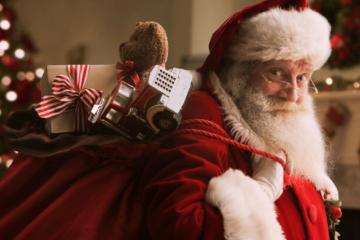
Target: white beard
x,y
297,131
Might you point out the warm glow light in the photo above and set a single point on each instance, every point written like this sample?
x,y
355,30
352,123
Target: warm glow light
x,y
329,81
356,85
21,76
11,96
0,112
5,24
39,72
30,76
1,7
19,53
4,45
1,52
6,81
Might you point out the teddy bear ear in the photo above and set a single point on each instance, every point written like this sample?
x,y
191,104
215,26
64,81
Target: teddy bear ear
x,y
137,24
153,27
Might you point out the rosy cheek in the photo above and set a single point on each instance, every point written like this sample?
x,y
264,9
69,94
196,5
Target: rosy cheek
x,y
267,90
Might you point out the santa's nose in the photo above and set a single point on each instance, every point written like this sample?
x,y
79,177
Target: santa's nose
x,y
289,93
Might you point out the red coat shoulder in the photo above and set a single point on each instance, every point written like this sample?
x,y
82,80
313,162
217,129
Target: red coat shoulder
x,y
202,105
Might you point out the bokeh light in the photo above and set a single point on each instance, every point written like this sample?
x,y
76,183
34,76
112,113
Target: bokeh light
x,y
21,76
329,81
19,53
5,24
39,72
11,96
4,45
30,76
6,80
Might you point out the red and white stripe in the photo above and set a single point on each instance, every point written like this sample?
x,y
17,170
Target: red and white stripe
x,y
69,94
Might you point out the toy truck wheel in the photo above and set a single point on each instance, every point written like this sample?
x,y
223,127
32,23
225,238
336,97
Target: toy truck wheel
x,y
166,121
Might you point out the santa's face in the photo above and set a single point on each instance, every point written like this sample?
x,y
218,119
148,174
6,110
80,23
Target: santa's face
x,y
285,79
282,119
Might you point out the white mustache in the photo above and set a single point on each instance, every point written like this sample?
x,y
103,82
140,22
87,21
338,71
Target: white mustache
x,y
273,104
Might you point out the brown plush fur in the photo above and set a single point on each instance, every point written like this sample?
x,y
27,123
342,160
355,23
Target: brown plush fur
x,y
147,46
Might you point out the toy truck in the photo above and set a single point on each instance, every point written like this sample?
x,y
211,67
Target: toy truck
x,y
139,113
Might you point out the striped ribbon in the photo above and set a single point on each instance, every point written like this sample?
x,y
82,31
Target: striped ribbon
x,y
69,94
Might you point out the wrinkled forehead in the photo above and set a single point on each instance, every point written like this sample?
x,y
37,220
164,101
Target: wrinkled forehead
x,y
300,65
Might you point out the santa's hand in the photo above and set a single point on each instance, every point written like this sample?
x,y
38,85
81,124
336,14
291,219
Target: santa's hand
x,y
270,176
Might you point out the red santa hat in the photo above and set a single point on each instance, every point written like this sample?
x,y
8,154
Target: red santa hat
x,y
272,30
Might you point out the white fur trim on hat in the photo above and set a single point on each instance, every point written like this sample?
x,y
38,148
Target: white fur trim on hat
x,y
246,209
279,34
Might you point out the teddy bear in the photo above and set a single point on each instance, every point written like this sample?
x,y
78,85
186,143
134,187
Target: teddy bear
x,y
146,47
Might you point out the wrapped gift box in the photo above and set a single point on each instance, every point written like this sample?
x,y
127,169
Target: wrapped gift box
x,y
101,77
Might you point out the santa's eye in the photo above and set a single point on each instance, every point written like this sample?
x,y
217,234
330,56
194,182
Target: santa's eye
x,y
275,72
302,78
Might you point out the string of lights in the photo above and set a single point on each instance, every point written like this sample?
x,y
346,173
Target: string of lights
x,y
19,77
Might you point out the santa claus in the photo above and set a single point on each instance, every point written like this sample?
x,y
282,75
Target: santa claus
x,y
195,183
256,85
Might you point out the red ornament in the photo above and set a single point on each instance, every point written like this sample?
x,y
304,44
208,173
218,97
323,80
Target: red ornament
x,y
336,213
7,60
10,63
347,2
353,20
340,43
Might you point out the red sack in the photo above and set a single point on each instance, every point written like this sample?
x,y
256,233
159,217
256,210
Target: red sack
x,y
70,187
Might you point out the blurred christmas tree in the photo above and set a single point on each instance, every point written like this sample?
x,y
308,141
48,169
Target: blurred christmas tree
x,y
19,79
344,17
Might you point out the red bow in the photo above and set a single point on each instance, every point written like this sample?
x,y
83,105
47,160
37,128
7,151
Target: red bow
x,y
128,69
68,94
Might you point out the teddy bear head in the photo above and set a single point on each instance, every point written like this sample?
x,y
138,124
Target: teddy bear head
x,y
146,47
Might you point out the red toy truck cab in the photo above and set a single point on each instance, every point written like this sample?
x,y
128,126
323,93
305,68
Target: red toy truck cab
x,y
140,113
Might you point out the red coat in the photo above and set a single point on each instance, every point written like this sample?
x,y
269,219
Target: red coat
x,y
176,179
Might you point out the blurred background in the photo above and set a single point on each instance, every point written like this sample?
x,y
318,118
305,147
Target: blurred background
x,y
37,33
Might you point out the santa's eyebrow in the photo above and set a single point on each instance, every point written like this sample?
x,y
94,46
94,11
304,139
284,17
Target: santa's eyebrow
x,y
280,64
277,63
